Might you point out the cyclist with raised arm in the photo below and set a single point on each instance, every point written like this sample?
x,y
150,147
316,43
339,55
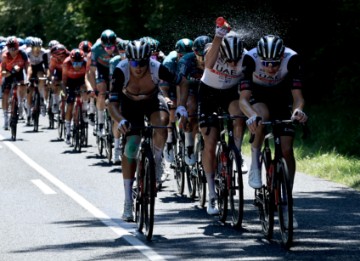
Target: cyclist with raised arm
x,y
98,75
219,88
73,78
134,94
271,86
191,66
38,69
13,65
182,47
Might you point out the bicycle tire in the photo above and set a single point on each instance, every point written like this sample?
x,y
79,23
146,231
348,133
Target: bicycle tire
x,y
199,170
51,118
84,134
76,133
265,197
137,194
236,193
100,145
221,182
36,110
108,139
14,118
191,182
283,192
149,194
60,127
179,166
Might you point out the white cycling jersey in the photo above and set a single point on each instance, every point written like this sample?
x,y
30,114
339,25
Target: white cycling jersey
x,y
35,60
223,76
260,77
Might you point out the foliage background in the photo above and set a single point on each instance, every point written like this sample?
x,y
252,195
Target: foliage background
x,y
326,35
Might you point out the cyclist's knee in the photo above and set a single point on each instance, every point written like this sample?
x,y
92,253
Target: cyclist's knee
x,y
132,147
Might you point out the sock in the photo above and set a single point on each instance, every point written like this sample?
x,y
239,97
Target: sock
x,y
128,183
211,184
67,126
189,141
116,143
255,157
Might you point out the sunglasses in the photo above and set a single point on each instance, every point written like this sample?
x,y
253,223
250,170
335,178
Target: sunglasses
x,y
141,63
273,63
110,47
77,64
36,48
13,49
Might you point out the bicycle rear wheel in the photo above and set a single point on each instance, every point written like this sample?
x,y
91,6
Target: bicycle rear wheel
x,y
149,195
77,130
191,181
108,139
236,193
138,196
60,126
285,206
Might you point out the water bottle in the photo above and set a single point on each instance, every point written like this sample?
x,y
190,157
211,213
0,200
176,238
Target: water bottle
x,y
221,22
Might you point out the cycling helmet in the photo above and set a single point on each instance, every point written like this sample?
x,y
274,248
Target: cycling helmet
x,y
77,55
2,39
21,41
12,42
138,50
154,44
28,40
36,42
231,48
58,50
270,47
199,44
184,45
121,44
85,46
52,43
108,37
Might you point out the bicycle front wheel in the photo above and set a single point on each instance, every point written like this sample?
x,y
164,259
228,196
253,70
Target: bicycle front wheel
x,y
221,186
60,126
191,181
179,166
36,110
285,204
77,130
236,190
149,195
14,118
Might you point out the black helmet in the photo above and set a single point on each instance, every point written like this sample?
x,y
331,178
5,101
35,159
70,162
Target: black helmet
x,y
154,44
231,48
138,50
77,55
108,37
270,47
199,44
121,44
184,45
85,46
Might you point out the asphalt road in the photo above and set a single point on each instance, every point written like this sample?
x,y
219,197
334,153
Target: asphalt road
x,y
56,204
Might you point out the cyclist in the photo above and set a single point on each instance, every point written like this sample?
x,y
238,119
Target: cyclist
x,y
156,53
182,47
98,75
121,44
135,93
219,87
272,83
191,66
38,68
73,77
58,54
14,63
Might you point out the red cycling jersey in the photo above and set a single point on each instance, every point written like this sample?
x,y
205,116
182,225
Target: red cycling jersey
x,y
20,59
70,72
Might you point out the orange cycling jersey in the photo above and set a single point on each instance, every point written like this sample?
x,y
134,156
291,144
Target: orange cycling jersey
x,y
8,62
56,63
70,72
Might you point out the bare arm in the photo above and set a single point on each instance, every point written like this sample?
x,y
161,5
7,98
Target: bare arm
x,y
213,52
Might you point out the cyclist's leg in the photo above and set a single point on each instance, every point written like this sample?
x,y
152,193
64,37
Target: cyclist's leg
x,y
30,91
255,167
6,86
159,115
100,105
21,98
69,114
189,130
169,154
117,148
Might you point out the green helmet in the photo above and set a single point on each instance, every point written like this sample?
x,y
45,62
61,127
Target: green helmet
x,y
184,45
108,37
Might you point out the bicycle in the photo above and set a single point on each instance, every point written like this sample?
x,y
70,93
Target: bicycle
x,y
50,103
145,192
60,119
80,127
14,112
35,104
275,195
228,173
178,144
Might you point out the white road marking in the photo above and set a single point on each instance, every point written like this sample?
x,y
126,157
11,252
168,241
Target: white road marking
x,y
43,187
117,228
